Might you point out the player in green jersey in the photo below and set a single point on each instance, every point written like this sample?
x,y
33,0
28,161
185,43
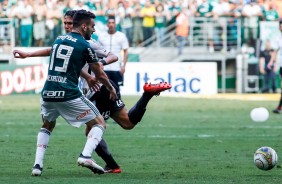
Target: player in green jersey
x,y
61,96
106,58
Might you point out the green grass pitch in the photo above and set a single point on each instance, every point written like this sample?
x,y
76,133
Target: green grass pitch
x,y
179,140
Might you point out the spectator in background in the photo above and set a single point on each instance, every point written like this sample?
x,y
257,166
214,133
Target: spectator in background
x,y
270,13
39,30
100,21
12,14
238,8
53,22
80,5
148,13
116,42
24,12
125,13
112,11
193,6
174,9
221,10
160,23
137,23
267,71
67,6
205,10
251,13
3,8
182,29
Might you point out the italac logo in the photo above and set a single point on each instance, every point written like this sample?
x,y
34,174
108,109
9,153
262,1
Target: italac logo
x,y
22,79
179,84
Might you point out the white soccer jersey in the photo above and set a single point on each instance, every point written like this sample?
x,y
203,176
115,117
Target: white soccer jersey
x,y
101,52
114,43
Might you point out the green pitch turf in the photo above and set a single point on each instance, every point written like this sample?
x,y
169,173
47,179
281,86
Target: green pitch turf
x,y
179,140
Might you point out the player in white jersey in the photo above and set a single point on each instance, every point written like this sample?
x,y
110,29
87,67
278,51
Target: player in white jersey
x,y
272,62
117,43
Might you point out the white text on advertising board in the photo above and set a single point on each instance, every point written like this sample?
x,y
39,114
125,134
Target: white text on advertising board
x,y
22,79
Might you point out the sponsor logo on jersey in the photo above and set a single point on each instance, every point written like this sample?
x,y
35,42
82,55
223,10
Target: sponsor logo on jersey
x,y
83,114
119,103
68,37
56,79
92,55
53,94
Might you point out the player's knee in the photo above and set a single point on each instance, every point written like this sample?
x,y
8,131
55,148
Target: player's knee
x,y
127,126
48,125
97,121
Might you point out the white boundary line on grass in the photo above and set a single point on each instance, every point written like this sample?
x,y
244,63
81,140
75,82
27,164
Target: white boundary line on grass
x,y
228,96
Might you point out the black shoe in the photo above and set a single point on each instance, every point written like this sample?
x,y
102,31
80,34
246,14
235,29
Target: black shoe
x,y
276,111
36,170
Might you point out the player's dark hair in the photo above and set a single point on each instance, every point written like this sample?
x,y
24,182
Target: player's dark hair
x,y
280,21
70,13
111,18
82,17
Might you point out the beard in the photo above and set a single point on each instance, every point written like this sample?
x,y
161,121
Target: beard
x,y
87,36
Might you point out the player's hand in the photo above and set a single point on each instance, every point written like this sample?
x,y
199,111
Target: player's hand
x,y
270,65
122,70
113,93
20,54
94,84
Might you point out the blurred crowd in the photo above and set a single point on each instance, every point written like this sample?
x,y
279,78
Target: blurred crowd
x,y
39,22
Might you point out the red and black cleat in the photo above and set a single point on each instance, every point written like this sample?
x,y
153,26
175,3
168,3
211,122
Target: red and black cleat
x,y
155,89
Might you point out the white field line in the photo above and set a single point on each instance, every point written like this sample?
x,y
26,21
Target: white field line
x,y
229,96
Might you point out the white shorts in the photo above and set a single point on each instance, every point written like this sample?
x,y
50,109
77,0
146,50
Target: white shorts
x,y
76,112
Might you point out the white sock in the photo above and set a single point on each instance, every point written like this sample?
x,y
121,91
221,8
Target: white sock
x,y
93,139
42,143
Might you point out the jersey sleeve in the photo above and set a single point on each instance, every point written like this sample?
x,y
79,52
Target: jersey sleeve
x,y
100,51
91,56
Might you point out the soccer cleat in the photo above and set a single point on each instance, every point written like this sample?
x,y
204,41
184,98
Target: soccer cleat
x,y
36,170
276,111
109,170
155,89
89,163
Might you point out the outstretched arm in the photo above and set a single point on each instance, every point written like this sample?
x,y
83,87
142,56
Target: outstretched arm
x,y
111,58
38,53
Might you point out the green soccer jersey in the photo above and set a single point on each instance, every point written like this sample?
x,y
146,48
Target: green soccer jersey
x,y
69,54
271,15
204,8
